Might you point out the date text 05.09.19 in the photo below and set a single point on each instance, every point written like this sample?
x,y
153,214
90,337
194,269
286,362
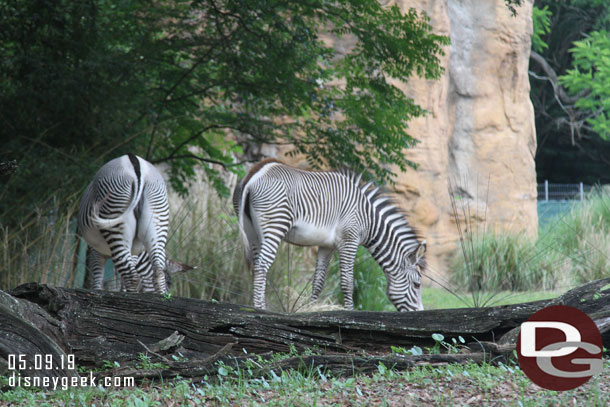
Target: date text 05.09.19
x,y
40,362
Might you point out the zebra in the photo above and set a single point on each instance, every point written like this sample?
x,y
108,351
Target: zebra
x,y
124,212
333,211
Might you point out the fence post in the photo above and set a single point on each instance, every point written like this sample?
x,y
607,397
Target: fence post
x,y
546,190
582,192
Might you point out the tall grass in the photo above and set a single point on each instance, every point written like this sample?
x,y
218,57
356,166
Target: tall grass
x,y
503,262
571,250
44,249
583,237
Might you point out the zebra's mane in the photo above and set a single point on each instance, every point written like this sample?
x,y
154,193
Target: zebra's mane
x,y
381,199
256,167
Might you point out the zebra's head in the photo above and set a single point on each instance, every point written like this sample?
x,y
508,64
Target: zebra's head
x,y
405,290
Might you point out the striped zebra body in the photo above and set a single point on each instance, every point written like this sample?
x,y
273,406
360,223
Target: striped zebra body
x,y
275,202
124,212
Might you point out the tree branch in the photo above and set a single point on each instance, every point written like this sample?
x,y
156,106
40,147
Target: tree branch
x,y
202,159
552,77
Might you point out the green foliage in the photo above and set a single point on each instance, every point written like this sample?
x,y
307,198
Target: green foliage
x,y
567,129
145,362
441,345
590,77
542,25
192,83
65,96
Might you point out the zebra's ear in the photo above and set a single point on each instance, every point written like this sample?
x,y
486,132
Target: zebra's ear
x,y
421,251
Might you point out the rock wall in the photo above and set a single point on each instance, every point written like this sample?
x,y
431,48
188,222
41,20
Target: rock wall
x,y
479,139
478,142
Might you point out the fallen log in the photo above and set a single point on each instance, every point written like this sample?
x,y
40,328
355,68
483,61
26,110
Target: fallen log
x,y
98,326
21,339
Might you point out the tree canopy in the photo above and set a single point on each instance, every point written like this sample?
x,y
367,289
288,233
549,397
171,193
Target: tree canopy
x,y
570,71
193,82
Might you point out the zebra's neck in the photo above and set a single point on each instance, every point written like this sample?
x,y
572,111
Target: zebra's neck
x,y
390,237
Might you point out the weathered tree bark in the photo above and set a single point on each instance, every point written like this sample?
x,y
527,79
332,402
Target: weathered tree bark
x,y
22,339
97,326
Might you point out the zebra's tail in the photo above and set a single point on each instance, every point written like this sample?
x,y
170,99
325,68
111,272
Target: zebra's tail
x,y
241,213
106,223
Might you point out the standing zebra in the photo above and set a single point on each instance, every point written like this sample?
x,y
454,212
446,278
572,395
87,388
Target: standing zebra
x,y
124,212
275,202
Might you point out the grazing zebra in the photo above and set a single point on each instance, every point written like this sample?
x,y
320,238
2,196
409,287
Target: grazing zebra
x,y
124,212
275,202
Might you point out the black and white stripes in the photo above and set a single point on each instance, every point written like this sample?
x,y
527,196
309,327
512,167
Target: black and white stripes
x,y
124,212
332,210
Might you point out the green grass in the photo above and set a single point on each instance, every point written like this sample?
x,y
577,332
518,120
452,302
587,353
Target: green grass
x,y
449,385
439,298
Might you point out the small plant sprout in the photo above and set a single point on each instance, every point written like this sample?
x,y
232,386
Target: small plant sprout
x,y
439,340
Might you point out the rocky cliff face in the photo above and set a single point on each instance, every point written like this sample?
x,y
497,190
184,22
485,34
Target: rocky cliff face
x,y
479,139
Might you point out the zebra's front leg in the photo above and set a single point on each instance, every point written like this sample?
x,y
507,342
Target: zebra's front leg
x,y
347,254
95,269
262,262
319,277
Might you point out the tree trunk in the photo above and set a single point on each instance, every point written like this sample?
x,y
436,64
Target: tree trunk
x,y
98,326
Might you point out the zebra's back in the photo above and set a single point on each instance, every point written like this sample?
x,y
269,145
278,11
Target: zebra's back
x,y
322,204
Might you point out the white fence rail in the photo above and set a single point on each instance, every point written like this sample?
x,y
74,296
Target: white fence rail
x,y
562,192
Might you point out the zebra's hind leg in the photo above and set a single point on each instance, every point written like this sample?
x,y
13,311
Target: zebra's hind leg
x,y
124,265
347,255
144,269
262,262
319,277
158,262
95,269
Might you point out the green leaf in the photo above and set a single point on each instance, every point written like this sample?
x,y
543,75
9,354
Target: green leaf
x,y
223,371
